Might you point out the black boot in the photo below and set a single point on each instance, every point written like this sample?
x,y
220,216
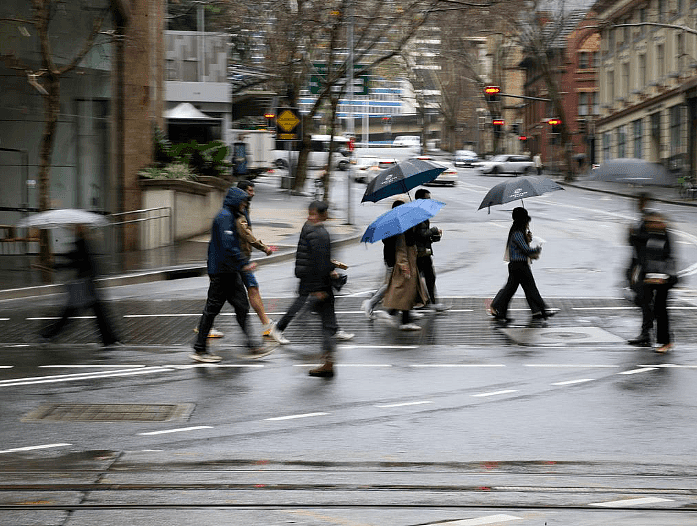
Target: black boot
x,y
643,340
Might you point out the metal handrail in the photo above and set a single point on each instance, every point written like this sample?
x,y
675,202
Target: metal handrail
x,y
167,214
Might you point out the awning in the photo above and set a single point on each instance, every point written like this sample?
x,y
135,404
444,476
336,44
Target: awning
x,y
187,112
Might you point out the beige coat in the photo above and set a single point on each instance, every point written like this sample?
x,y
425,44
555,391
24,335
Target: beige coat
x,y
405,293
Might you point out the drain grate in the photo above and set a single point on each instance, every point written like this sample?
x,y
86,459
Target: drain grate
x,y
109,413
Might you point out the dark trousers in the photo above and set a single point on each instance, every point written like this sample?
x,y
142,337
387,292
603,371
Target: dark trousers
x,y
224,287
324,307
519,273
69,311
654,306
425,266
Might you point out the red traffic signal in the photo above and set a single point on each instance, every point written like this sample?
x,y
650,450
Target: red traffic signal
x,y
498,122
492,93
522,138
554,122
269,115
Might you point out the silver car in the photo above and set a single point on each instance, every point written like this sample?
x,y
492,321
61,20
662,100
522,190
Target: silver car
x,y
507,164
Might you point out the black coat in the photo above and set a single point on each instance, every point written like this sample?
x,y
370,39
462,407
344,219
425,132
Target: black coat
x,y
313,259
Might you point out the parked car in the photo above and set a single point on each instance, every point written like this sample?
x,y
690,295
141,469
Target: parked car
x,y
368,167
448,177
465,158
507,164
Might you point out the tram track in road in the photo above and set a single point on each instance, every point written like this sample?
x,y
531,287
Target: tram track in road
x,y
516,487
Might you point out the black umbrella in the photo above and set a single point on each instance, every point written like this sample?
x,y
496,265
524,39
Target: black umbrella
x,y
518,188
401,178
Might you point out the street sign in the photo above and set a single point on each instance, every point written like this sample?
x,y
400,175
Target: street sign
x,y
360,82
288,125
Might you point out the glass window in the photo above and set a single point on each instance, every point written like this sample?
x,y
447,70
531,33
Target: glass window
x,y
638,132
595,101
595,60
660,61
676,130
606,146
583,60
625,79
662,10
680,5
641,77
610,86
622,141
583,104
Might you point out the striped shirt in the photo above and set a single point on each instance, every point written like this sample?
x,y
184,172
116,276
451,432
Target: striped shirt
x,y
519,250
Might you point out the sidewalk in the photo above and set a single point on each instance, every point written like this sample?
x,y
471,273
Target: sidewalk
x,y
277,217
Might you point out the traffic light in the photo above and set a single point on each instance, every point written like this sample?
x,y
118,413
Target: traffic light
x,y
555,124
498,125
515,128
523,138
492,93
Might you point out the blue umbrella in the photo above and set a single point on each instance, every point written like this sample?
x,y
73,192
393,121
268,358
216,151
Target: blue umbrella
x,y
401,178
400,219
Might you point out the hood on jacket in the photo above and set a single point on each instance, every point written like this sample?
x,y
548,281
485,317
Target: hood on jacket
x,y
234,198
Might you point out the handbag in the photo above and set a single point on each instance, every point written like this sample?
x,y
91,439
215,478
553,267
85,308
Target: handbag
x,y
339,281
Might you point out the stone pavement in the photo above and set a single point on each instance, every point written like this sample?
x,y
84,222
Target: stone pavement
x,y
277,219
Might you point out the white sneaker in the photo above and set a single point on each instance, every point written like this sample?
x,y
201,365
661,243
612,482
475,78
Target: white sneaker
x,y
277,335
409,327
416,315
368,310
205,357
438,307
266,329
343,335
384,315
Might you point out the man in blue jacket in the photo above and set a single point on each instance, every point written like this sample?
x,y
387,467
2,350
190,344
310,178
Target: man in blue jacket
x,y
225,262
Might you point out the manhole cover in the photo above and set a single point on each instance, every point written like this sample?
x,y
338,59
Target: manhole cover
x,y
560,335
110,412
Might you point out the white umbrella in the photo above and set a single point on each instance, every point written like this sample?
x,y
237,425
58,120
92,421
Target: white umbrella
x,y
63,217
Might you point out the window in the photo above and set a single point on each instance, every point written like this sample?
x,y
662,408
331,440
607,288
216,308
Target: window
x,y
625,79
595,59
680,6
660,61
606,146
662,10
595,103
610,86
642,18
622,141
676,130
641,77
679,51
638,154
611,41
583,60
583,103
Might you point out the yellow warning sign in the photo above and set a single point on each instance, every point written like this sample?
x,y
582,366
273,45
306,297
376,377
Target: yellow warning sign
x,y
287,120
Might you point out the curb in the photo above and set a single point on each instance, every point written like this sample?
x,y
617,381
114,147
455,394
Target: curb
x,y
150,276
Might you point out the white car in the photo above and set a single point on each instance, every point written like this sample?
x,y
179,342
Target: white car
x,y
368,167
507,164
465,158
448,177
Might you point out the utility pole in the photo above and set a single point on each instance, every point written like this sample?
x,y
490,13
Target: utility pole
x,y
351,124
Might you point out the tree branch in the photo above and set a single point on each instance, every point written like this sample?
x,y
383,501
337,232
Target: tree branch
x,y
87,46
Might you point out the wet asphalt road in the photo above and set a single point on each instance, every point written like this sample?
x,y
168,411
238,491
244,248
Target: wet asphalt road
x,y
462,423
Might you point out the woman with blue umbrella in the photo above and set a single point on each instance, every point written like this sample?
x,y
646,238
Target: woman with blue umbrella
x,y
405,289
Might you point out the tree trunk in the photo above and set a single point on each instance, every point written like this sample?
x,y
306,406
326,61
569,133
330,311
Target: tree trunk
x,y
52,110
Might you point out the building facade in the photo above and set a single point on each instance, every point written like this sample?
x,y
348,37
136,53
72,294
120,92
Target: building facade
x,y
648,82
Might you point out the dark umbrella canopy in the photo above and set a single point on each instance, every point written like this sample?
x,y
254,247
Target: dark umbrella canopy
x,y
401,178
400,219
518,188
633,171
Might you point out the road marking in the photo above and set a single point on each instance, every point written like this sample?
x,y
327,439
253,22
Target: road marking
x,y
175,315
292,417
572,382
80,376
31,448
4,319
404,404
669,365
424,365
495,393
630,502
179,430
48,318
604,308
490,519
642,370
6,366
87,366
581,366
217,366
379,346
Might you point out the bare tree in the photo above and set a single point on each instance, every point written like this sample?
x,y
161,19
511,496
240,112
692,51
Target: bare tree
x,y
46,78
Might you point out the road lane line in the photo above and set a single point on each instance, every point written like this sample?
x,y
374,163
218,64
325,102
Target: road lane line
x,y
581,366
572,382
88,366
495,393
604,308
178,430
174,315
480,521
217,366
630,502
4,319
80,376
379,346
425,365
31,448
403,404
49,318
293,417
6,366
669,365
642,370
